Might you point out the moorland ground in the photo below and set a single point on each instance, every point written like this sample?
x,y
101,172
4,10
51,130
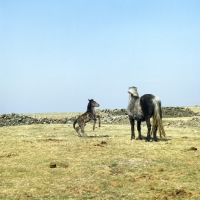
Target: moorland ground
x,y
98,167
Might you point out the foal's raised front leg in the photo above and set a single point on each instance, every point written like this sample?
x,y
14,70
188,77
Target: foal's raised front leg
x,y
95,119
132,122
94,123
98,116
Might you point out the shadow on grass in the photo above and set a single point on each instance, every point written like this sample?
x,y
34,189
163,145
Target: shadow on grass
x,y
97,136
158,139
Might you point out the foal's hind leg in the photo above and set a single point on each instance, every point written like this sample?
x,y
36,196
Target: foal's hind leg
x,y
82,130
77,130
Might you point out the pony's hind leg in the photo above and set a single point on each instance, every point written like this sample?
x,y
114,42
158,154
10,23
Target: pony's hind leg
x,y
148,129
154,134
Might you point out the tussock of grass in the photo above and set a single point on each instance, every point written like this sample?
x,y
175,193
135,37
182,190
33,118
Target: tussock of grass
x,y
111,167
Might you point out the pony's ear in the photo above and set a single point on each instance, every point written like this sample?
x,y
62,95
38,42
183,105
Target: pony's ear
x,y
89,99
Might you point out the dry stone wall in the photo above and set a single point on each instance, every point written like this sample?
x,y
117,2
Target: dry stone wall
x,y
108,116
17,119
167,112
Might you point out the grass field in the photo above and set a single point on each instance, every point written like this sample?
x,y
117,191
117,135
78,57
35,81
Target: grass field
x,y
98,167
194,108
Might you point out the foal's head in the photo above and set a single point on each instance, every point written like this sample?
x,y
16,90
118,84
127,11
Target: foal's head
x,y
93,103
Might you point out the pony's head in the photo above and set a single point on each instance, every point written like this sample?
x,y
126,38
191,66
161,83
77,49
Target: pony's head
x,y
133,91
93,103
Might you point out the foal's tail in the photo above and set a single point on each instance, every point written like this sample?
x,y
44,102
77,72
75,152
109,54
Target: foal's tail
x,y
157,117
75,121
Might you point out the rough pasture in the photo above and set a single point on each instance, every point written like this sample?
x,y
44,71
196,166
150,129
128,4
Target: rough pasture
x,y
98,167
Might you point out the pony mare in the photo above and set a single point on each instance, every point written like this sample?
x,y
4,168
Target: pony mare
x,y
142,109
89,115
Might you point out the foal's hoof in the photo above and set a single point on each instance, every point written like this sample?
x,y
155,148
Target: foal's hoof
x,y
85,136
139,138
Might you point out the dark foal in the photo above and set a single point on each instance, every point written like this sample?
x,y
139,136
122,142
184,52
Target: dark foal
x,y
142,109
89,115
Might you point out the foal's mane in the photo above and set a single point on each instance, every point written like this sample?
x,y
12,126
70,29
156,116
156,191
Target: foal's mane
x,y
89,106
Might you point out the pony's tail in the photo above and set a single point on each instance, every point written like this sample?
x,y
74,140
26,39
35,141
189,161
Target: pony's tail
x,y
75,121
157,117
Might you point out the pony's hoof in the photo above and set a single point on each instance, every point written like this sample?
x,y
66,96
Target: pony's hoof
x,y
139,138
155,139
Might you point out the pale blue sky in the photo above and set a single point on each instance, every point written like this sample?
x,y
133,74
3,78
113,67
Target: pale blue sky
x,y
57,54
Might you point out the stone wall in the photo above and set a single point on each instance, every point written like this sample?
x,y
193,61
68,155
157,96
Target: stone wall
x,y
17,119
108,116
167,112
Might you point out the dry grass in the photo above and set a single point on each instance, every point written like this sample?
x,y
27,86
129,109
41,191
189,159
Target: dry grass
x,y
58,115
194,108
111,167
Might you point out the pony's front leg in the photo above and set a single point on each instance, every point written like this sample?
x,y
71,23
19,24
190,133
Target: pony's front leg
x,y
139,130
148,129
132,122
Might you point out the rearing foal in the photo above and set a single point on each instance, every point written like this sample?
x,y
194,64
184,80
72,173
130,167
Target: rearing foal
x,y
89,115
